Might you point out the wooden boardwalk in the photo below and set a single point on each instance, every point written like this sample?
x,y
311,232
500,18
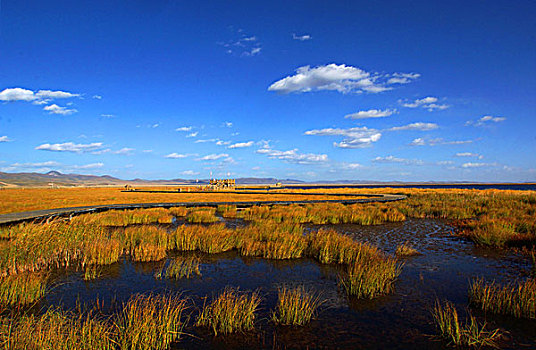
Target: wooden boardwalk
x,y
13,218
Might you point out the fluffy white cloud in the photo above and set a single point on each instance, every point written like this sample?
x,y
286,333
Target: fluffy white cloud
x,y
176,156
420,126
293,156
341,78
70,147
193,134
358,137
418,142
49,94
485,120
184,128
392,159
17,94
241,144
214,156
429,103
301,37
4,139
55,109
371,113
351,166
20,94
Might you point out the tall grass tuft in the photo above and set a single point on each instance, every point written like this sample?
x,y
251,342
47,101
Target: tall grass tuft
x,y
295,306
180,267
471,334
518,300
370,278
230,312
58,329
406,250
22,289
202,216
151,322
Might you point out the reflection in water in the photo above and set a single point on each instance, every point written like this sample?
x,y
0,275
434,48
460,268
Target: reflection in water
x,y
400,320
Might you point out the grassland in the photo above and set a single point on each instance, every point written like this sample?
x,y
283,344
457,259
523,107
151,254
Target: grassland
x,y
498,219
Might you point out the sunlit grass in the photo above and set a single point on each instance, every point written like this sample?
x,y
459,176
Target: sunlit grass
x,y
22,289
469,334
518,299
180,267
406,249
295,306
230,312
151,321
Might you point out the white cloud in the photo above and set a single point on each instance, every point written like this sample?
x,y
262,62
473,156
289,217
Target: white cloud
x,y
214,156
358,137
107,115
88,166
97,97
184,128
241,144
189,173
418,142
20,94
445,162
193,134
16,94
420,126
55,109
176,156
403,78
351,166
228,124
477,165
125,151
293,156
371,113
245,45
301,37
429,103
47,164
469,154
254,51
341,78
4,139
49,94
437,141
70,147
392,159
223,143
485,120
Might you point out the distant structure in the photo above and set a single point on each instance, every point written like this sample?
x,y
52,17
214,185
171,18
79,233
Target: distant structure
x,y
222,184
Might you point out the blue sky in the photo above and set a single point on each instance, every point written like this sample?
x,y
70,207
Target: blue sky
x,y
310,90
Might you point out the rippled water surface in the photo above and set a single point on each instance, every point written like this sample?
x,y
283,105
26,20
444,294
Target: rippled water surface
x,y
400,320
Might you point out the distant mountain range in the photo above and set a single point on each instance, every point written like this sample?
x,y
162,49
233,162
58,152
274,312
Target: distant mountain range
x,y
55,178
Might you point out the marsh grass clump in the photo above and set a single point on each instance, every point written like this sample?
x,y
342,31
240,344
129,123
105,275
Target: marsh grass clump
x,y
22,289
295,306
227,211
370,278
151,321
178,211
92,272
58,329
469,334
180,267
129,217
230,312
202,216
518,300
406,249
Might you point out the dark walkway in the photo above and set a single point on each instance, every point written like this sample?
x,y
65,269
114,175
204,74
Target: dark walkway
x,y
13,218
